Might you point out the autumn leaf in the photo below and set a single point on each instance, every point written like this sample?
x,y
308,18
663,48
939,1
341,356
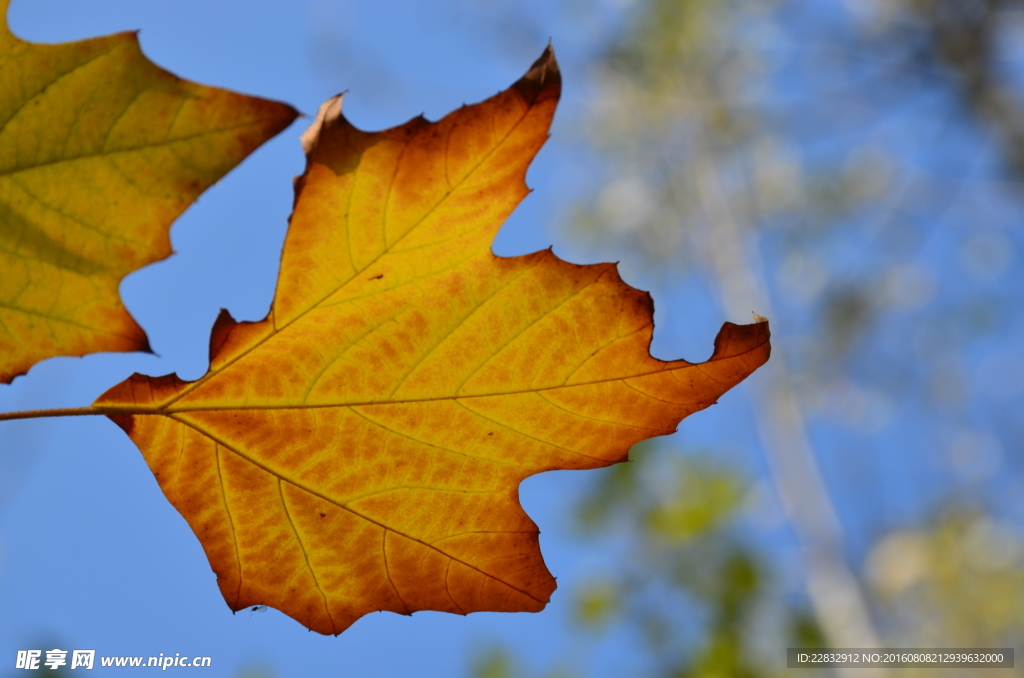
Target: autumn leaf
x,y
100,150
361,448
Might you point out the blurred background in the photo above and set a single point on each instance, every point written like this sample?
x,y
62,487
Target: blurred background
x,y
852,169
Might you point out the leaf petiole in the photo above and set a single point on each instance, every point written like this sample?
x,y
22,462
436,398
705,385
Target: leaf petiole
x,y
63,412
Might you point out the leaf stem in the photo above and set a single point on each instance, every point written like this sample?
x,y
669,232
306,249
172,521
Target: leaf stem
x,y
92,410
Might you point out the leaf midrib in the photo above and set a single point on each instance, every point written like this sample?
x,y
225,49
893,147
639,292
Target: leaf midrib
x,y
131,149
169,410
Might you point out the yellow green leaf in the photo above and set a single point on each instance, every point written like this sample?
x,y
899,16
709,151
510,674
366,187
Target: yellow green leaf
x,y
362,447
100,150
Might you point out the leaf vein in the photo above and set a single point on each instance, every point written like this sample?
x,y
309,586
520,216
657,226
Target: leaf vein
x,y
305,554
262,466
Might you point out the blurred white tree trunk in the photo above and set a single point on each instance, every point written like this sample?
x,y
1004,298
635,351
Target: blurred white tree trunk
x,y
835,594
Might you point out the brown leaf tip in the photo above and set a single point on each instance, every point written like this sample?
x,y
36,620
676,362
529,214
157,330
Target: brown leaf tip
x,y
734,340
145,346
221,331
543,78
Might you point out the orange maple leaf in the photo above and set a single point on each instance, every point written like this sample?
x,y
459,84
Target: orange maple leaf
x,y
362,447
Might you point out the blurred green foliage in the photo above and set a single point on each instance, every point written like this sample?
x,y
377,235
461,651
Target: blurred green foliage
x,y
958,581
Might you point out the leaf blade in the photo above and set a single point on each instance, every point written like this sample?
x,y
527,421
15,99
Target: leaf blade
x,y
100,150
